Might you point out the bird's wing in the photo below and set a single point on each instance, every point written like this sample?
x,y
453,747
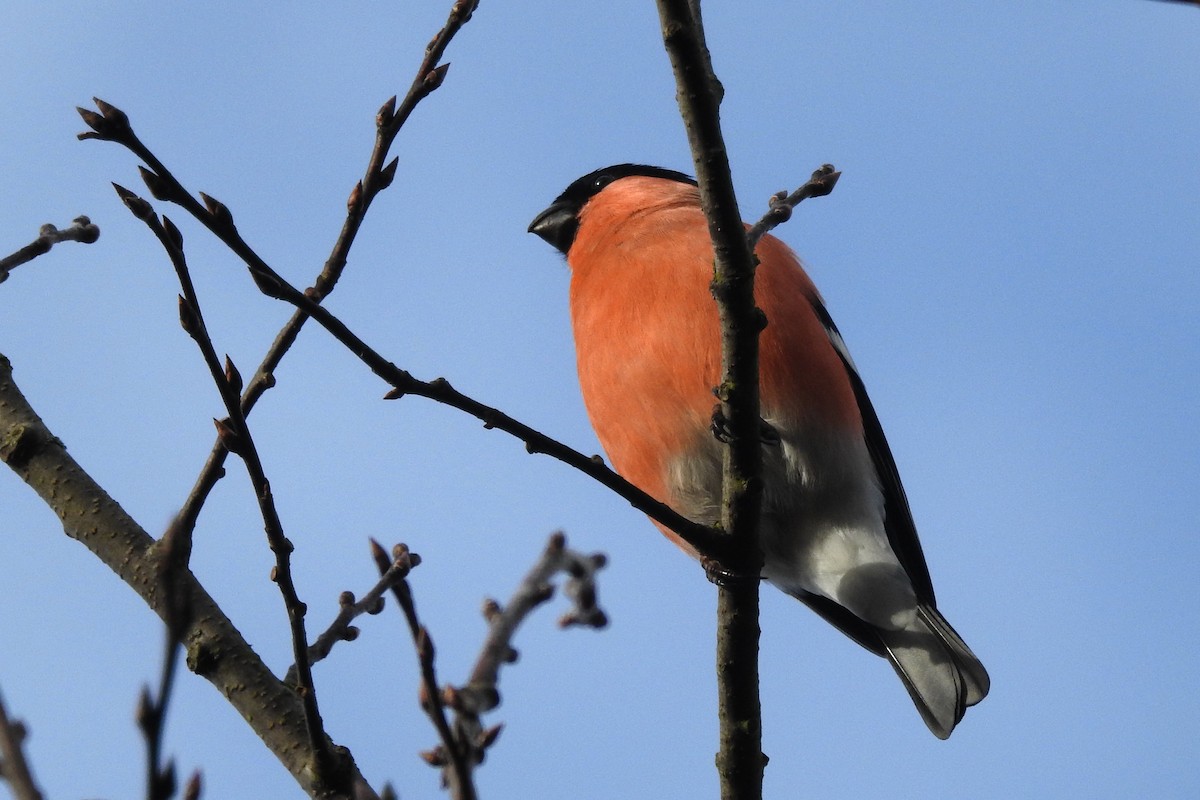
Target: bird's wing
x,y
901,532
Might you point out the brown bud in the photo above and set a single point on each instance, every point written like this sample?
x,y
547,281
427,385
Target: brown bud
x,y
114,115
377,551
188,319
191,790
386,112
388,174
491,609
88,233
232,376
218,210
139,207
173,234
230,438
144,713
433,79
91,119
435,757
157,186
489,736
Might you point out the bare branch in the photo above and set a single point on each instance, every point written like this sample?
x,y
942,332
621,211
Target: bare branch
x,y
113,125
823,179
349,609
81,231
456,769
740,760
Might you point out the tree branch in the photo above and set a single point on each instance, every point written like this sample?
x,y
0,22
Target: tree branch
x,y
740,761
349,609
453,759
823,179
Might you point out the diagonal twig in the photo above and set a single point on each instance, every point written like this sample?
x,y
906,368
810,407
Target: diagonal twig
x,y
823,179
457,771
216,650
349,609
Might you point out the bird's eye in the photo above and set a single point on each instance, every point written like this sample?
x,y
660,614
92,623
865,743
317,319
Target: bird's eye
x,y
602,181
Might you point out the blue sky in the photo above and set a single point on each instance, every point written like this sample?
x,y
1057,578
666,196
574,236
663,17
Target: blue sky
x,y
1011,255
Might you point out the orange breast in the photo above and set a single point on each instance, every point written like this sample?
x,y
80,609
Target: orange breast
x,y
647,335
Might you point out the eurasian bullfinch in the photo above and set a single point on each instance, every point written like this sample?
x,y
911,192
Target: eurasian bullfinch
x,y
837,532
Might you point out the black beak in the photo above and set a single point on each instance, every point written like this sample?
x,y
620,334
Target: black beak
x,y
557,225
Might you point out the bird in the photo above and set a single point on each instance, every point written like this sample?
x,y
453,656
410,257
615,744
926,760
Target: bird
x,y
836,531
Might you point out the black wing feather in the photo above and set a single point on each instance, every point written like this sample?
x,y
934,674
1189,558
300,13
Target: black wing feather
x,y
898,521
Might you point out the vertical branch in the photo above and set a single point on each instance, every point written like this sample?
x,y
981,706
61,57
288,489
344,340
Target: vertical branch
x,y
740,761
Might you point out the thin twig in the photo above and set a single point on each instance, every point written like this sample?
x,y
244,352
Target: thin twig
x,y
13,767
235,432
82,230
152,718
350,609
823,179
740,761
456,769
535,589
178,614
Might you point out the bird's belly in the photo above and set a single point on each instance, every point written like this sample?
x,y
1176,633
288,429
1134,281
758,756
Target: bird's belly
x,y
823,520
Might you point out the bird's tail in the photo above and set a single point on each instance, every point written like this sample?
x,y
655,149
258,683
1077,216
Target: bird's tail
x,y
941,673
